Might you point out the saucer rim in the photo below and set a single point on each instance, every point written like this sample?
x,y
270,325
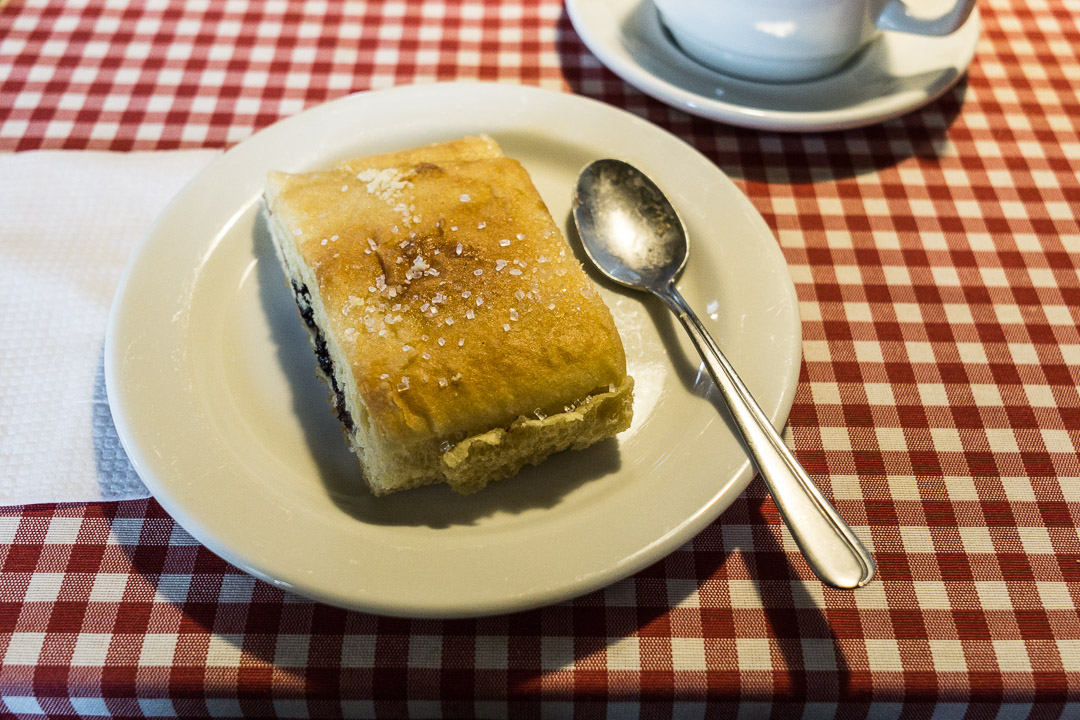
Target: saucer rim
x,y
843,117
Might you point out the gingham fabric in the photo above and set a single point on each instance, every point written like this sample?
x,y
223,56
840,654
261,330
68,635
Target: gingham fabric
x,y
935,258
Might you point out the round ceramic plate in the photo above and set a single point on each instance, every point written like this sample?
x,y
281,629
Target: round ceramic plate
x,y
211,377
894,75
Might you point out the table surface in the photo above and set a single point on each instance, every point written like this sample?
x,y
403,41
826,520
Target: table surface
x,y
935,259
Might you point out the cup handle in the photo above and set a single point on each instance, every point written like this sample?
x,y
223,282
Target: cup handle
x,y
897,16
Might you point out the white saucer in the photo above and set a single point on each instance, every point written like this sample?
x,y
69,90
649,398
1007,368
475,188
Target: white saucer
x,y
895,75
212,385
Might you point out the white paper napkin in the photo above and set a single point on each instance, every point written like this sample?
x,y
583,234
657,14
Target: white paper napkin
x,y
68,222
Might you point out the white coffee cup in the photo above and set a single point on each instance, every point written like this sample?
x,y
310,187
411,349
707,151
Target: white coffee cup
x,y
792,40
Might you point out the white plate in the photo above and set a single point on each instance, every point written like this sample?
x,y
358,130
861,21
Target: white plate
x,y
212,386
895,75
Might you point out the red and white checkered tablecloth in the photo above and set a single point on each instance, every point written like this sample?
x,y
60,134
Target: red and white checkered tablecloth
x,y
935,258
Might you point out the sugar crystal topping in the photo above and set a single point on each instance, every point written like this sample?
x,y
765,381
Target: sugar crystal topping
x,y
387,183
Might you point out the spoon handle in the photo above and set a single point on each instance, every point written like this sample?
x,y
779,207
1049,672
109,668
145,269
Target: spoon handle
x,y
831,548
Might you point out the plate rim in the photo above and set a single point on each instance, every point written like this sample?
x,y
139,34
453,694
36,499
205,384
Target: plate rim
x,y
634,562
753,118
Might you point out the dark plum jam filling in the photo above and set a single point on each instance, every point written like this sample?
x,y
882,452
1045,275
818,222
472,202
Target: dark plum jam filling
x,y
303,302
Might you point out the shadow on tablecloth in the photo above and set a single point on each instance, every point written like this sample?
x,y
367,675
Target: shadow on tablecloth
x,y
316,650
116,477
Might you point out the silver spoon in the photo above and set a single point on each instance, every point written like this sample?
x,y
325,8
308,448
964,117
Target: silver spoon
x,y
634,236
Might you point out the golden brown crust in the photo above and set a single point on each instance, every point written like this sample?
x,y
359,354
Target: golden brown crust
x,y
455,301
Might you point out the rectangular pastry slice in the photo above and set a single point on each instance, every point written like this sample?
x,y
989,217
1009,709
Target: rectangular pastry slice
x,y
461,338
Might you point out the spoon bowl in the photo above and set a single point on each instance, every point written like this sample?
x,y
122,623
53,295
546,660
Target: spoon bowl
x,y
628,228
634,236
